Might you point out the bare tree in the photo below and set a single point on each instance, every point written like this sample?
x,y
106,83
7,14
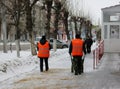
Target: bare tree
x,y
89,28
57,8
64,10
66,15
3,27
75,23
14,9
48,7
29,24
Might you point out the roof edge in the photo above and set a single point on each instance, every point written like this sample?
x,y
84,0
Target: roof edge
x,y
110,7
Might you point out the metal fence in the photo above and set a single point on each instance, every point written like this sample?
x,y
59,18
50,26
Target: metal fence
x,y
98,53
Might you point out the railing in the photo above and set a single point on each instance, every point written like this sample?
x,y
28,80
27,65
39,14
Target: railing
x,y
98,53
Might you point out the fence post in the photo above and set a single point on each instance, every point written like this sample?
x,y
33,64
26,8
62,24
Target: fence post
x,y
98,53
93,59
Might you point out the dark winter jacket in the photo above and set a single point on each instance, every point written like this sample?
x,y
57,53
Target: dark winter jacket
x,y
88,42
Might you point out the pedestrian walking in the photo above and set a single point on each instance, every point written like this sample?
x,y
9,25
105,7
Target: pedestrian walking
x,y
77,50
88,43
43,47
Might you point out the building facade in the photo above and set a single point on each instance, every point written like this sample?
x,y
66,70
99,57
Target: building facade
x,y
38,27
111,28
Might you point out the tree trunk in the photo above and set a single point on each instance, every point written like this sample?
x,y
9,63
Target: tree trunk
x,y
49,6
29,26
32,46
66,24
75,22
56,24
57,15
17,41
3,27
48,23
54,44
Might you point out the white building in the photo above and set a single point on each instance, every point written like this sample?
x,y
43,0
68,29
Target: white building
x,y
111,28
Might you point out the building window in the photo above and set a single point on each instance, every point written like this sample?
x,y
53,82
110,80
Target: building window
x,y
105,31
114,31
115,18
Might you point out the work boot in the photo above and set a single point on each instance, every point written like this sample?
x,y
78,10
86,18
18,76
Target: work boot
x,y
47,69
76,73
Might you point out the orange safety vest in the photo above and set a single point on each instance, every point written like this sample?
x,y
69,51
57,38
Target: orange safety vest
x,y
77,47
43,50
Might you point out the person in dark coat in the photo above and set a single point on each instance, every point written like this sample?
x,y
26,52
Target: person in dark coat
x,y
77,50
88,43
43,48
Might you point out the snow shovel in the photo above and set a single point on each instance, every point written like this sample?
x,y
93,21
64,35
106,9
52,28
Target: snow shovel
x,y
82,69
72,64
83,57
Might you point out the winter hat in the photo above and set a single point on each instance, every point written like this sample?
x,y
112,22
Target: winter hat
x,y
43,37
77,36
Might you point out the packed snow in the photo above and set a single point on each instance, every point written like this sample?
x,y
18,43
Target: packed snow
x,y
11,65
24,72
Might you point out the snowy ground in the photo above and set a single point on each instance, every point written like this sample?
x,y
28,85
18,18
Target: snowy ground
x,y
10,65
23,72
59,61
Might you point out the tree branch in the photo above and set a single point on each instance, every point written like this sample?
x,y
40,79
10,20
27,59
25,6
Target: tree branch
x,y
8,8
34,2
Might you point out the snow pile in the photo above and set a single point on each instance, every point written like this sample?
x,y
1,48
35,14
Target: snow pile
x,y
10,65
9,59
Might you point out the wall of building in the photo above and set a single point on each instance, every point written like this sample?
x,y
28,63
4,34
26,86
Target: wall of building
x,y
111,29
111,39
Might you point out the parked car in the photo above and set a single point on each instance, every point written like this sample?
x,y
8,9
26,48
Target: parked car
x,y
38,39
59,43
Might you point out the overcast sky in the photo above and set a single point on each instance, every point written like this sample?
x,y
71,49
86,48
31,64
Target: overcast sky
x,y
94,6
91,7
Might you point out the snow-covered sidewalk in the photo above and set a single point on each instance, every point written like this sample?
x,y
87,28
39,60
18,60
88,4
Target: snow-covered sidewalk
x,y
59,63
10,65
24,73
107,76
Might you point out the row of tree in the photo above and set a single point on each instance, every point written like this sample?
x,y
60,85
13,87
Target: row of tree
x,y
16,8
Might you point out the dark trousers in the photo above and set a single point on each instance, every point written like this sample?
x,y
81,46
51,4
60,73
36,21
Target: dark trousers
x,y
78,66
46,64
88,49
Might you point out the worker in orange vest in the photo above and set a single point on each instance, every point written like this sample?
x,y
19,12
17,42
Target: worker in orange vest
x,y
77,50
43,48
